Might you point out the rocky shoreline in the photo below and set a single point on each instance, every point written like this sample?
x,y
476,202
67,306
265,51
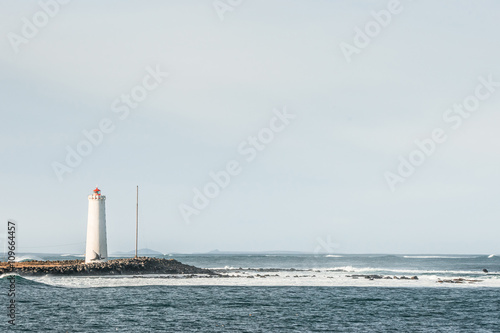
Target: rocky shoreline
x,y
130,266
376,277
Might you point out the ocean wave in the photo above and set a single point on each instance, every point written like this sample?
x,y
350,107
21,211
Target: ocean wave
x,y
440,257
226,268
384,270
259,269
21,280
333,256
27,258
6,275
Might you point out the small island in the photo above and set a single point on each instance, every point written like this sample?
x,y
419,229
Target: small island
x,y
129,266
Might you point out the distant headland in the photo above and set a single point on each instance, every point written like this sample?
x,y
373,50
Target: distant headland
x,y
143,252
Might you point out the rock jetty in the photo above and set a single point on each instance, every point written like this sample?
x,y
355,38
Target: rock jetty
x,y
130,266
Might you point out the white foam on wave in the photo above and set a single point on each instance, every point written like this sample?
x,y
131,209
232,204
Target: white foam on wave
x,y
491,256
333,279
333,256
439,257
8,274
25,258
226,268
381,270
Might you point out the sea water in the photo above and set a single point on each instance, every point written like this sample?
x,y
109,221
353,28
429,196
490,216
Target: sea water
x,y
270,293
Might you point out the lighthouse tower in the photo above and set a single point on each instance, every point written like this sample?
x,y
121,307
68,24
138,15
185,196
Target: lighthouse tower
x,y
97,248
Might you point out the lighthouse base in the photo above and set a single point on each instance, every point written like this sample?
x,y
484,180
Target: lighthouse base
x,y
95,261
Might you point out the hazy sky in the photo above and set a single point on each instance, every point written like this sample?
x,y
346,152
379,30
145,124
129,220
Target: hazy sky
x,y
320,182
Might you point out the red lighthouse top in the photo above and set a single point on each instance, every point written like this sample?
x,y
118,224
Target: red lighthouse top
x,y
97,191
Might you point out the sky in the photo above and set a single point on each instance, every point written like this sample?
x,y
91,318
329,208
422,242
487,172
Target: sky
x,y
330,126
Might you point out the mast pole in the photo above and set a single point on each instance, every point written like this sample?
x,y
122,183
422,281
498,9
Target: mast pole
x,y
136,221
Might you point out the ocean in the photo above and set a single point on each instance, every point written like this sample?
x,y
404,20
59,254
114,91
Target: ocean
x,y
269,293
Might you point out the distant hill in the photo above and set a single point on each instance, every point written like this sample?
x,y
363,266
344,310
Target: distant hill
x,y
254,252
139,252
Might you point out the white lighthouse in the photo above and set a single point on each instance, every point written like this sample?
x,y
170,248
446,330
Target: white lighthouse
x,y
97,247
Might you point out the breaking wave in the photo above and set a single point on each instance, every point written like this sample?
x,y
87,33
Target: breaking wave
x,y
27,258
20,280
440,257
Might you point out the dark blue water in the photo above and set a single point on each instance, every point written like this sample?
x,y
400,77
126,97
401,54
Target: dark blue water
x,y
62,304
44,308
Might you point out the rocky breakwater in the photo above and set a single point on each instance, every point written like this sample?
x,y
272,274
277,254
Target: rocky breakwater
x,y
377,277
131,266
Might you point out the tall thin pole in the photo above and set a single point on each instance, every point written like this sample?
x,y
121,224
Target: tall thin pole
x,y
136,221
